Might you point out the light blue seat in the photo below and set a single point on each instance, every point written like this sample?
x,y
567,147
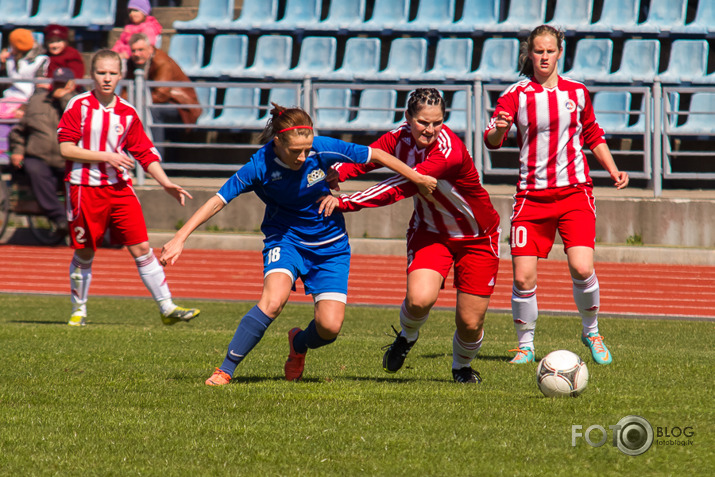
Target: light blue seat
x,y
241,109
39,37
457,119
15,11
704,21
255,14
317,58
499,61
477,16
572,15
332,110
611,110
299,15
273,57
288,97
639,62
524,15
95,13
343,15
616,16
701,116
431,15
362,55
228,56
51,11
663,15
207,99
592,60
212,14
688,62
387,15
187,49
376,111
407,59
452,60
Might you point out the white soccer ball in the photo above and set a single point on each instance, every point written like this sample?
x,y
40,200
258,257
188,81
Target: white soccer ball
x,y
562,373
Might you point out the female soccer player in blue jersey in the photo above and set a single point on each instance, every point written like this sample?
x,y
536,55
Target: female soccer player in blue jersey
x,y
289,175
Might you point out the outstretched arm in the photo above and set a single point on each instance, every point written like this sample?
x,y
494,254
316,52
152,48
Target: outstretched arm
x,y
172,249
426,184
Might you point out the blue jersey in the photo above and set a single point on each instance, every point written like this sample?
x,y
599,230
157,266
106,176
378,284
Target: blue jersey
x,y
291,196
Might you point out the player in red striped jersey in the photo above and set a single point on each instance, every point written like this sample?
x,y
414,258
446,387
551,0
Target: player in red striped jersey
x,y
456,225
554,121
95,130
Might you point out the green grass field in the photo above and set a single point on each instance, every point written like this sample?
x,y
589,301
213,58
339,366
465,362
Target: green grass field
x,y
125,396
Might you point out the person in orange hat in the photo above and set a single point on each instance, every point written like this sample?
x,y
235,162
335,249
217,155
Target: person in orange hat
x,y
25,60
62,55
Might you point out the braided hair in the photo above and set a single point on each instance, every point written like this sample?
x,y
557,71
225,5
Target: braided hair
x,y
286,121
526,66
422,97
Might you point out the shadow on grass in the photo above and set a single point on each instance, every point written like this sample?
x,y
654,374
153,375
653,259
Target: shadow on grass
x,y
480,357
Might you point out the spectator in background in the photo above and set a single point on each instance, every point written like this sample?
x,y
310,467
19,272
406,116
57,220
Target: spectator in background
x,y
61,54
139,22
34,146
25,60
158,66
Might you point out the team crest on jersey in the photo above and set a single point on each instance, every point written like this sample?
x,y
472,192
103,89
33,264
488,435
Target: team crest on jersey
x,y
570,105
407,141
276,176
315,176
119,129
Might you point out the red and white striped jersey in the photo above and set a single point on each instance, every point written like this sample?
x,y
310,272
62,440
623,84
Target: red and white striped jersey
x,y
553,125
460,206
91,126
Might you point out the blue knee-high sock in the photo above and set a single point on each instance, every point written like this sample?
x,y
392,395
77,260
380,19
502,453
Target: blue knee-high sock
x,y
309,339
248,334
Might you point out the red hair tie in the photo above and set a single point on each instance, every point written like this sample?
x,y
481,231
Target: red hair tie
x,y
294,127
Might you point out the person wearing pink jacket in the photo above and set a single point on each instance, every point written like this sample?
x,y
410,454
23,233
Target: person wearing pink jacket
x,y
139,22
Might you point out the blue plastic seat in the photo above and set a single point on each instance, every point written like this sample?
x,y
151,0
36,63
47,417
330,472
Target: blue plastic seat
x,y
452,60
51,11
611,110
187,49
207,99
228,56
572,15
15,11
212,14
477,16
317,58
376,111
299,15
241,109
362,55
704,21
688,62
255,14
343,15
95,13
387,15
288,97
639,62
332,109
701,116
663,16
592,60
524,15
616,16
457,119
432,15
499,61
407,59
273,57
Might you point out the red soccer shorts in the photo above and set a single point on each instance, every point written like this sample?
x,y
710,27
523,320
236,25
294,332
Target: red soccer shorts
x,y
539,214
94,209
476,261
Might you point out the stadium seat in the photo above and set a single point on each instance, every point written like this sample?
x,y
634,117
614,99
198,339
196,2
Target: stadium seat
x,y
701,116
317,58
95,13
688,62
457,119
499,61
431,16
407,59
255,14
572,15
241,109
332,109
387,15
212,15
228,56
362,55
299,15
51,11
343,15
639,62
592,60
663,15
611,110
15,12
376,111
704,22
616,16
187,49
207,99
524,15
477,16
273,57
452,60
288,97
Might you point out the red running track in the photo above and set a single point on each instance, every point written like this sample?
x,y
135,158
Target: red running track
x,y
626,289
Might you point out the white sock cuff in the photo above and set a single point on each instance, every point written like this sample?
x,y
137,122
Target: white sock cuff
x,y
409,316
523,293
145,260
586,284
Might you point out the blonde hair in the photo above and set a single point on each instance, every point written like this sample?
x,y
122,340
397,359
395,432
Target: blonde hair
x,y
106,54
526,66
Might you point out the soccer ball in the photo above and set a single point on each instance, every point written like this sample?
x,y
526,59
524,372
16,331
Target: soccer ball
x,y
562,373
